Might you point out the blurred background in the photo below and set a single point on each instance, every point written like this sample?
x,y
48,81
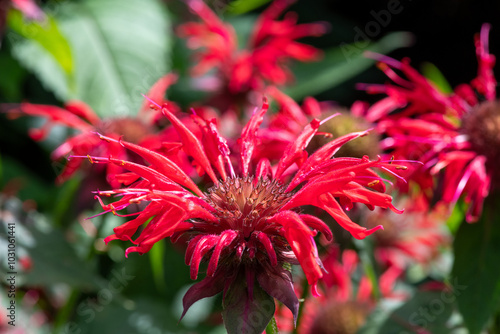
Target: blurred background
x,y
107,53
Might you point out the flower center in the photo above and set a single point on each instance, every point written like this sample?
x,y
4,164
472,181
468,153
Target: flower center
x,y
482,126
243,204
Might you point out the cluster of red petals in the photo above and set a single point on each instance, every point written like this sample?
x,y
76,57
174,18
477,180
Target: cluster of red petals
x,y
272,44
80,117
175,206
422,123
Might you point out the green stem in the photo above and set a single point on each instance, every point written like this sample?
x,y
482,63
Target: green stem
x,y
305,293
368,266
272,327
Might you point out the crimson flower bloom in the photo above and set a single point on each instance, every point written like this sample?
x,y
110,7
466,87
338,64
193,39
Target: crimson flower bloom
x,y
80,117
457,134
248,225
272,44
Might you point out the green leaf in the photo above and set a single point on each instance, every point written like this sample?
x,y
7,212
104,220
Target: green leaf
x,y
12,77
340,64
272,327
476,267
46,34
55,261
238,7
244,313
431,72
120,49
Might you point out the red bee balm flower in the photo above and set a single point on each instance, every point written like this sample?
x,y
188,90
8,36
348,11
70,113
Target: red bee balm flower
x,y
248,226
457,133
272,44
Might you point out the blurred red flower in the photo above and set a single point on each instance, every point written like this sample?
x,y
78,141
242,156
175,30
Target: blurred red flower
x,y
271,46
79,116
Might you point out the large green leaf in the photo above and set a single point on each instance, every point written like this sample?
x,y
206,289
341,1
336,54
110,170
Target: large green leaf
x,y
120,49
340,64
476,267
55,261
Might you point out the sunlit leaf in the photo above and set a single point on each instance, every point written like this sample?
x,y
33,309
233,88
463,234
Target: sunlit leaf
x,y
431,72
242,6
46,34
120,48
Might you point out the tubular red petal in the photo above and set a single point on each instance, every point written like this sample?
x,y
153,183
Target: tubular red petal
x,y
328,203
190,248
216,147
289,108
191,145
295,152
300,238
56,115
263,170
323,154
158,90
83,110
266,242
162,164
248,136
205,244
317,224
225,240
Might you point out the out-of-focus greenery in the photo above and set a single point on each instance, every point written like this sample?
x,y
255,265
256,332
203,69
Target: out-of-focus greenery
x,y
107,53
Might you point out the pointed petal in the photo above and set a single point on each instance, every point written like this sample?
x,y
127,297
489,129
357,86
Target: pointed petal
x,y
295,152
248,136
266,242
162,164
191,145
300,238
158,90
323,154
